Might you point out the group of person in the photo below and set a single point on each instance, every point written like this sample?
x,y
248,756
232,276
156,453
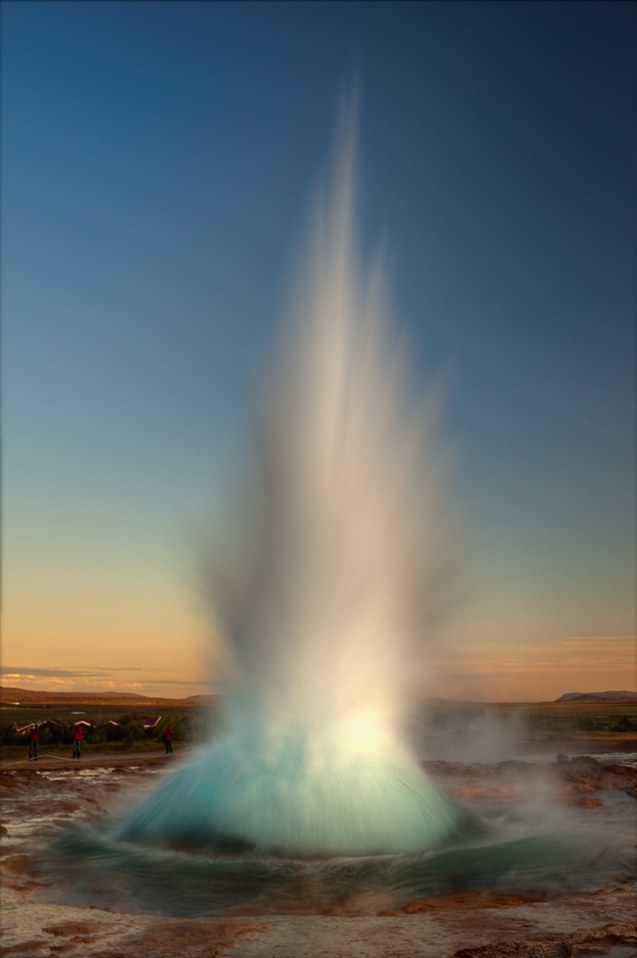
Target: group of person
x,y
78,738
34,741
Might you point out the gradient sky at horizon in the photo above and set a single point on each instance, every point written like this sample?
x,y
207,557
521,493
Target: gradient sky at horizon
x,y
158,162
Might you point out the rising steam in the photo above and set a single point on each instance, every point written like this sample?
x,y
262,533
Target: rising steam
x,y
329,587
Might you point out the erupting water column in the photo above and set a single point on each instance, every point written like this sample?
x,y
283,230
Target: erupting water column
x,y
327,598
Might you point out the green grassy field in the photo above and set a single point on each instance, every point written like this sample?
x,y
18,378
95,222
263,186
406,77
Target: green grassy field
x,y
192,724
567,717
97,714
590,716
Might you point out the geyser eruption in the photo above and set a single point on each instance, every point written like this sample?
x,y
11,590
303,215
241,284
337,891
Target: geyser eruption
x,y
327,591
324,594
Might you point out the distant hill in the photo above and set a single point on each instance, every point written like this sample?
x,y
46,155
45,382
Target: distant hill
x,y
10,696
201,699
598,697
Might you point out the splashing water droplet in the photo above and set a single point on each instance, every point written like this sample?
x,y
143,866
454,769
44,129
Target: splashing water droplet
x,y
328,590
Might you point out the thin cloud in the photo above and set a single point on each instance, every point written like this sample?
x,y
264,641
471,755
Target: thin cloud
x,y
592,653
194,682
18,672
594,640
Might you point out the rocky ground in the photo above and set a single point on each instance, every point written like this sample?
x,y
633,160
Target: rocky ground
x,y
40,797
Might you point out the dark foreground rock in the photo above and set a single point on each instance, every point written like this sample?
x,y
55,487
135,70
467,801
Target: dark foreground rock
x,y
619,940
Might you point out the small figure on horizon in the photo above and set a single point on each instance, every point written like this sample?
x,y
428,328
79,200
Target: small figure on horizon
x,y
34,741
168,739
78,735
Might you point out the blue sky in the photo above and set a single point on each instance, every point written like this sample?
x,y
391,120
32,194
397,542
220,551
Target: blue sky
x,y
158,161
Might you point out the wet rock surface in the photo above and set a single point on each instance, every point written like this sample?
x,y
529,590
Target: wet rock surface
x,y
615,941
38,802
575,777
584,773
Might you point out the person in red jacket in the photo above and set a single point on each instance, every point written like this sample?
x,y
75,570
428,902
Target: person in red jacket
x,y
78,736
168,738
34,741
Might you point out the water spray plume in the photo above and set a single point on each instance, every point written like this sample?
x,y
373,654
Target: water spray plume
x,y
323,599
329,588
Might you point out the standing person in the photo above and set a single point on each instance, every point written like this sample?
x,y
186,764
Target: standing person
x,y
168,739
78,735
34,741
